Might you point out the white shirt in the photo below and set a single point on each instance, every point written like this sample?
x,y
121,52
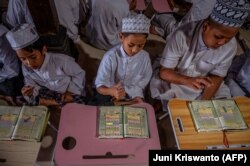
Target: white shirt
x,y
238,78
104,25
59,73
68,12
9,66
18,13
134,72
187,54
200,10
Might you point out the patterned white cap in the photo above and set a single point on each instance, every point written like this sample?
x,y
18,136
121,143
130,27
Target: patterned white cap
x,y
230,13
3,30
136,23
22,36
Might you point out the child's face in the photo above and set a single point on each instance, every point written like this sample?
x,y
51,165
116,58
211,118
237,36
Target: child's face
x,y
33,60
133,43
214,37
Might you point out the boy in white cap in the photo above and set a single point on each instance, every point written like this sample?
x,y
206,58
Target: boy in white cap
x,y
125,70
50,78
198,55
11,80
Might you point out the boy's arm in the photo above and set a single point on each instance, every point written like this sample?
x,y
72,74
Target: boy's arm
x,y
116,91
6,72
209,92
77,74
48,102
171,76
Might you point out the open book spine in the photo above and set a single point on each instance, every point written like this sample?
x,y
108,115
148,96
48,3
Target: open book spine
x,y
31,123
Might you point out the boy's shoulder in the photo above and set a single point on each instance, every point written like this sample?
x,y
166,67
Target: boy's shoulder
x,y
187,30
114,51
59,56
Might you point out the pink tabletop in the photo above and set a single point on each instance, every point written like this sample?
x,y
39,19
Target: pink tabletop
x,y
79,121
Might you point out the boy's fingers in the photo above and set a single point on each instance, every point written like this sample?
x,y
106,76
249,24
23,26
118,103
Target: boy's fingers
x,y
205,82
196,85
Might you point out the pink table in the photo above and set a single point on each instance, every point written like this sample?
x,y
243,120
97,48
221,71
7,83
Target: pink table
x,y
79,121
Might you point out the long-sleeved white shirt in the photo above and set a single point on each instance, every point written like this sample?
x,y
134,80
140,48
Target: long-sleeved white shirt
x,y
9,66
59,73
18,13
134,72
104,25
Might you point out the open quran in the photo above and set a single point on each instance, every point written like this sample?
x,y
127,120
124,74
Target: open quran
x,y
23,123
212,115
122,121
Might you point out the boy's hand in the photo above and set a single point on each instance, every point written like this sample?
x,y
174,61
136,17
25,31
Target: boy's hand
x,y
67,97
199,82
27,90
118,91
138,99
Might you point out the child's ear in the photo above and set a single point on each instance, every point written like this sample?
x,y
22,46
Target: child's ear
x,y
45,49
205,26
121,36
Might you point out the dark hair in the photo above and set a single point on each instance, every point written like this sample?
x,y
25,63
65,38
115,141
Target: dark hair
x,y
126,34
37,45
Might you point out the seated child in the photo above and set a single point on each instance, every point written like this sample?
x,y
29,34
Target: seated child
x,y
238,77
11,80
126,69
50,78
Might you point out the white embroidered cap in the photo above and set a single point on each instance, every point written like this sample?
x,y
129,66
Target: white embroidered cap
x,y
22,36
230,13
3,30
136,23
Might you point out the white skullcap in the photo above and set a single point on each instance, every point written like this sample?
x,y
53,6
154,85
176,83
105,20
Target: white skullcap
x,y
136,23
22,36
230,13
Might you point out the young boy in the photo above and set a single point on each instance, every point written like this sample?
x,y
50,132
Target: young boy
x,y
199,54
125,70
11,80
50,78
